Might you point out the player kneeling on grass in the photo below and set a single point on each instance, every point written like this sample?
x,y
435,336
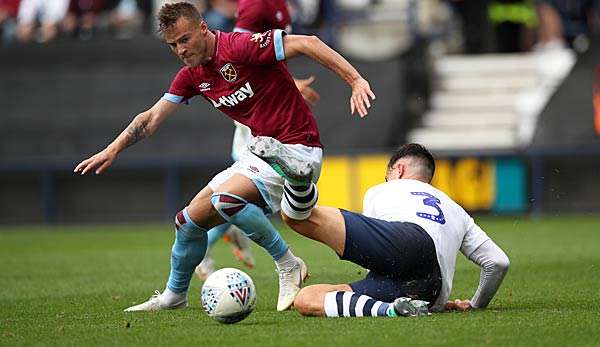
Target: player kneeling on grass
x,y
408,237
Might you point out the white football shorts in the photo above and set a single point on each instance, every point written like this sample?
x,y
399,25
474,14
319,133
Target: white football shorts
x,y
266,179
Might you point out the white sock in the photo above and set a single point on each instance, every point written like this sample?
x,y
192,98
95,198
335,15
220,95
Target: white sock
x,y
169,298
287,261
350,304
298,201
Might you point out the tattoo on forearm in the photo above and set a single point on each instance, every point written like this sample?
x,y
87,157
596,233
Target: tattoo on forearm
x,y
136,131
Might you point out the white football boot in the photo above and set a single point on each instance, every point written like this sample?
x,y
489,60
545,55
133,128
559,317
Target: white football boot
x,y
282,160
290,282
240,246
155,304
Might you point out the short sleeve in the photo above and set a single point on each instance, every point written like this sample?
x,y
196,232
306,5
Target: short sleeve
x,y
474,238
182,88
259,48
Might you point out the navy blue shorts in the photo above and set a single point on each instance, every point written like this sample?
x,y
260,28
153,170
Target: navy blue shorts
x,y
401,258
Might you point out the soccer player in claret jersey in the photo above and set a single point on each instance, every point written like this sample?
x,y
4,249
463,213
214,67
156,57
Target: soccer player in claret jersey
x,y
408,237
244,76
253,16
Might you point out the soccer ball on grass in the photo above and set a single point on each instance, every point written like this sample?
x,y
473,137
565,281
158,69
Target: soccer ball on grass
x,y
228,295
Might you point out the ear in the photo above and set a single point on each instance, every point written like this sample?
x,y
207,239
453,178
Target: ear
x,y
400,170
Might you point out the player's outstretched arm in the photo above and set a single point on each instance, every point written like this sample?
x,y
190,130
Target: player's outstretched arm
x,y
142,126
313,47
494,264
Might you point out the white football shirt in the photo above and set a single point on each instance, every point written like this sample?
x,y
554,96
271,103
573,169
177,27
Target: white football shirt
x,y
448,224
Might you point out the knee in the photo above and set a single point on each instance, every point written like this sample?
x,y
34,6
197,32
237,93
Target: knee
x,y
293,223
302,303
227,205
308,302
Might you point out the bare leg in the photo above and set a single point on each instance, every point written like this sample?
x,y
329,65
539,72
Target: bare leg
x,y
310,301
202,211
325,224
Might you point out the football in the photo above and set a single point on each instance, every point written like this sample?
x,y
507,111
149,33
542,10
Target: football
x,y
228,295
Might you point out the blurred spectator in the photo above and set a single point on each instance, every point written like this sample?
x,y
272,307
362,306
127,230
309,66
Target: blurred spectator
x,y
48,13
8,20
567,22
221,14
514,22
82,17
128,16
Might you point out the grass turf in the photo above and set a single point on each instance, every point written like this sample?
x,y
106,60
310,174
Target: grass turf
x,y
69,285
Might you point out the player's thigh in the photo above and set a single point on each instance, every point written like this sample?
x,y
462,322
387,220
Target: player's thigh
x,y
325,224
310,301
241,186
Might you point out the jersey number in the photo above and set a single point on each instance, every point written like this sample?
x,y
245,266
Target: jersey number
x,y
432,201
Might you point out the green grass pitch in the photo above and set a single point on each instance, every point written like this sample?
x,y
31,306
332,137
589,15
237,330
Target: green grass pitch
x,y
69,285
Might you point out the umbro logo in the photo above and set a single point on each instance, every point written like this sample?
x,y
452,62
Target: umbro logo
x,y
204,86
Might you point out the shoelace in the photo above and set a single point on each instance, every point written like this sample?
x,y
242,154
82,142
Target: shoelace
x,y
156,294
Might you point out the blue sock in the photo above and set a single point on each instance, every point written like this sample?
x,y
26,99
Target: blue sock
x,y
216,233
252,221
188,251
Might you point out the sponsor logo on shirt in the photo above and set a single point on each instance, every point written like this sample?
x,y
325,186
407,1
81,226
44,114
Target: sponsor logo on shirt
x,y
235,98
263,39
228,72
204,86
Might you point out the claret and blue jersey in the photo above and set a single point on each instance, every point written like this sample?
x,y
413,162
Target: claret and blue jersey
x,y
248,80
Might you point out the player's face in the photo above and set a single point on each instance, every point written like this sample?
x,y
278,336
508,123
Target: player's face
x,y
189,40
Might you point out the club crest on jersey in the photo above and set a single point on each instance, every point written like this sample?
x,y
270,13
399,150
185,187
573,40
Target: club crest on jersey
x,y
229,73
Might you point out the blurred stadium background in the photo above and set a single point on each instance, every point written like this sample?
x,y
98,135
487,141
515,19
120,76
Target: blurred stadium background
x,y
501,91
505,92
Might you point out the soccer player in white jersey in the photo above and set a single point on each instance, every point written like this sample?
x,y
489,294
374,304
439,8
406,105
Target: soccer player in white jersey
x,y
407,237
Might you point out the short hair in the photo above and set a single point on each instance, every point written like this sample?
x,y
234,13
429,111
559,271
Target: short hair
x,y
418,151
169,14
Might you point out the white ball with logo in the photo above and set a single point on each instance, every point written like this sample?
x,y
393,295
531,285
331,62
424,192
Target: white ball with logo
x,y
228,295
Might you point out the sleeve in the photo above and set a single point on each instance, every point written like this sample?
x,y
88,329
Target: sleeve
x,y
494,263
473,238
249,16
259,48
182,88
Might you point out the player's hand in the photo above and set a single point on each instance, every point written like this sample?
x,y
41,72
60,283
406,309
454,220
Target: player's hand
x,y
458,305
359,101
309,94
99,162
